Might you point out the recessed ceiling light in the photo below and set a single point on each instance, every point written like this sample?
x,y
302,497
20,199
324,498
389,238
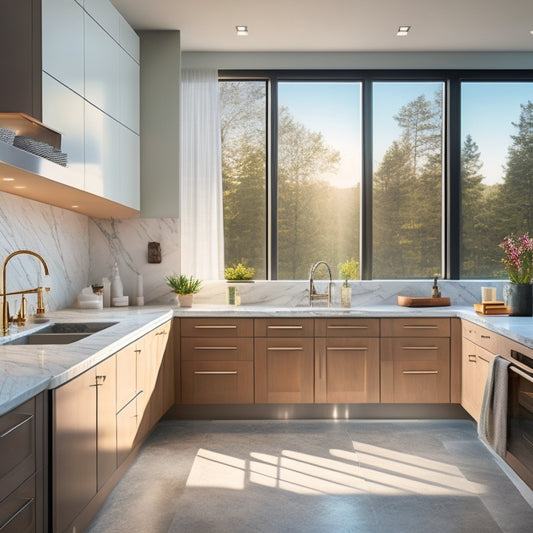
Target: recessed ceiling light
x,y
403,31
531,31
241,30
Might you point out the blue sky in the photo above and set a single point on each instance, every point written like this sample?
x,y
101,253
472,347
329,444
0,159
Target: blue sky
x,y
488,110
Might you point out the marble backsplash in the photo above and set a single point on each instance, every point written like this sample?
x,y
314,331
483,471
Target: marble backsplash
x,y
80,251
60,236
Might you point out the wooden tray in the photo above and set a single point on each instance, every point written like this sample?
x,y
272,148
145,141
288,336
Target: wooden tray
x,y
415,301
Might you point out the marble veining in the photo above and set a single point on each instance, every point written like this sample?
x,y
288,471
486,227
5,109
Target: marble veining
x,y
61,237
126,242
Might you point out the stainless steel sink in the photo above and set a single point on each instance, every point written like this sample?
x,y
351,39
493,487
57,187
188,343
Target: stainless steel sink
x,y
61,333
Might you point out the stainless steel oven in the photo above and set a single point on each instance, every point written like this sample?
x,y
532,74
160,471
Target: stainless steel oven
x,y
519,453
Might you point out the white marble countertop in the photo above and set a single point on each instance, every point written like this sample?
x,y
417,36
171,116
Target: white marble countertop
x,y
26,370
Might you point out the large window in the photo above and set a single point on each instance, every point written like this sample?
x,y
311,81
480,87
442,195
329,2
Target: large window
x,y
409,174
496,171
407,179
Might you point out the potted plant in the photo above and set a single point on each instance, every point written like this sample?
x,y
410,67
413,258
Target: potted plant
x,y
348,270
237,274
518,261
185,288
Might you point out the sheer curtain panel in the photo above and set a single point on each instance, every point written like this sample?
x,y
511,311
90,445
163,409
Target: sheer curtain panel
x,y
201,214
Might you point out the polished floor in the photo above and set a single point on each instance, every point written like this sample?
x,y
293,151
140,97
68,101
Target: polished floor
x,y
315,476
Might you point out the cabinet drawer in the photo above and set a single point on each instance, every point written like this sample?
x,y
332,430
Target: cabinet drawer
x,y
217,382
415,327
284,327
17,511
216,349
347,327
17,447
415,370
485,338
217,327
415,349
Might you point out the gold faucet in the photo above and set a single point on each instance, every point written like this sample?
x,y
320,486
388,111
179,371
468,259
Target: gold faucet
x,y
21,317
312,290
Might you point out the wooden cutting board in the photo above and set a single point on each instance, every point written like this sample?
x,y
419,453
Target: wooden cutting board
x,y
415,301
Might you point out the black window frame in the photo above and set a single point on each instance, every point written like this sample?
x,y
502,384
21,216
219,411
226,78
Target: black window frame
x,y
451,187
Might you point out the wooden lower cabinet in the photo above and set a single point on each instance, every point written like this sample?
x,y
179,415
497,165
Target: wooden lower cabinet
x,y
74,449
475,371
22,468
415,360
347,370
284,370
98,418
217,361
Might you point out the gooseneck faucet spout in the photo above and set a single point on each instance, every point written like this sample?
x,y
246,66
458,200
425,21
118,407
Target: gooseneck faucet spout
x,y
38,290
312,290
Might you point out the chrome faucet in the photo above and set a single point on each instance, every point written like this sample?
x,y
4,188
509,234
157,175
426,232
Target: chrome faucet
x,y
21,317
312,290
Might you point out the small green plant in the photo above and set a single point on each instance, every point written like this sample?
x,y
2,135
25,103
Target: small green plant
x,y
181,284
239,272
349,270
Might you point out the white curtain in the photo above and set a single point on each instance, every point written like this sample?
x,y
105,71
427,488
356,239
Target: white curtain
x,y
202,235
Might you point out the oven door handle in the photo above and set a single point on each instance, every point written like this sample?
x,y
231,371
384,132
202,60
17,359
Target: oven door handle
x,y
522,373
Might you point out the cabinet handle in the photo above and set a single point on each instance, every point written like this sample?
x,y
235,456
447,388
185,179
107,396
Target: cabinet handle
x,y
347,327
233,326
12,517
420,347
429,326
285,327
100,378
348,348
420,372
164,332
284,348
11,429
485,336
138,350
215,347
472,358
215,372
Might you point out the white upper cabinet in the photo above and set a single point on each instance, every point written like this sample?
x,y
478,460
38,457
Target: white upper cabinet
x,y
63,110
106,15
129,92
62,42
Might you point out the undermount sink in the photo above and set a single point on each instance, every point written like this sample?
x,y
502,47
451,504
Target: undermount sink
x,y
61,333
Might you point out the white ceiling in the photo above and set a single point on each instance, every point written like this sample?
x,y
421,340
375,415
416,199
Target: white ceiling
x,y
338,25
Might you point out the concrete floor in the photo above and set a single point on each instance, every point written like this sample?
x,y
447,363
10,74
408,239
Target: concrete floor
x,y
315,476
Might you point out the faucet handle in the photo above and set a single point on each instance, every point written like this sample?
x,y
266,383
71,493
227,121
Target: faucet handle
x,y
40,300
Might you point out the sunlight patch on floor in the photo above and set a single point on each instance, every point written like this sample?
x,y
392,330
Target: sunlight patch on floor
x,y
370,469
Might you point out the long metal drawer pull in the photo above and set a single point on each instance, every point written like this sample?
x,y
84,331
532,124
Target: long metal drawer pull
x,y
215,347
21,510
420,372
215,372
285,327
347,327
485,336
284,348
350,348
10,430
407,326
420,347
233,326
164,332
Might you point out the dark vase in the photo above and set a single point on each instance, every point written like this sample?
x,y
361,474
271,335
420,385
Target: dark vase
x,y
518,299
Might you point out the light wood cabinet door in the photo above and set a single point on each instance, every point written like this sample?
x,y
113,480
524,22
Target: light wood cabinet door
x,y
74,448
284,370
347,370
415,370
106,419
475,371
